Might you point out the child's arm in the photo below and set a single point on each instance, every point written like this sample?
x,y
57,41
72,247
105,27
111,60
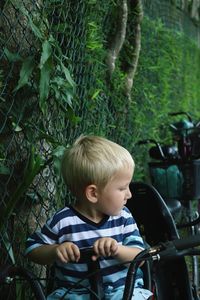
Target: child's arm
x,y
43,255
125,253
47,254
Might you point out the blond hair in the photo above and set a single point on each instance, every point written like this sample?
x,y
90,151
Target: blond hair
x,y
93,160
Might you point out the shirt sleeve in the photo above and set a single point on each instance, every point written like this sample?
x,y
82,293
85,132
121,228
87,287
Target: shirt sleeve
x,y
48,235
132,237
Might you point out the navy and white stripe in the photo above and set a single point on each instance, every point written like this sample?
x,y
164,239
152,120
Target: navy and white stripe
x,y
69,225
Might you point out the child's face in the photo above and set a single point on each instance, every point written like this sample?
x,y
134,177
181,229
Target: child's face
x,y
115,194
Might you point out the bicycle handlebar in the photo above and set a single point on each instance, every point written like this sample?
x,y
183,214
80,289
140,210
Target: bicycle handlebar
x,y
186,137
159,150
86,254
189,242
181,113
175,248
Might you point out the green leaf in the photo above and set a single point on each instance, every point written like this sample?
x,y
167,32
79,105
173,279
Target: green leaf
x,y
67,75
57,159
71,115
38,33
44,84
12,57
46,53
8,245
25,72
16,127
59,151
58,81
96,93
68,98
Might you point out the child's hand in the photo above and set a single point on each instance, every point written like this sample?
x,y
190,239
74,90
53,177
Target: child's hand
x,y
68,252
105,247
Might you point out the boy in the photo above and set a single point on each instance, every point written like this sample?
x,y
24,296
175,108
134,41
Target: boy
x,y
98,173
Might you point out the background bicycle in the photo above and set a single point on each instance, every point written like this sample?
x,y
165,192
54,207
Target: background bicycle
x,y
175,172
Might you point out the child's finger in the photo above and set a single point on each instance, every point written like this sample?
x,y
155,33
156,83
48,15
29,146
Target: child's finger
x,y
76,252
114,246
62,256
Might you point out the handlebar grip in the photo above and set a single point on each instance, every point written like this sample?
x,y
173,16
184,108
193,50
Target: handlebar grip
x,y
189,242
86,254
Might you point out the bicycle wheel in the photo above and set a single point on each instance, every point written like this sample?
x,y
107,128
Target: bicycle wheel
x,y
18,283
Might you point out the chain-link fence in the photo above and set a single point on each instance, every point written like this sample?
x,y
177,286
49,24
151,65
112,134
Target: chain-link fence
x,y
53,87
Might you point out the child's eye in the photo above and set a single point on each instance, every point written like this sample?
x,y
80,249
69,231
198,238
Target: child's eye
x,y
122,189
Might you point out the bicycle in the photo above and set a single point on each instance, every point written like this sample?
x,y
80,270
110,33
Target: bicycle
x,y
175,172
162,251
175,287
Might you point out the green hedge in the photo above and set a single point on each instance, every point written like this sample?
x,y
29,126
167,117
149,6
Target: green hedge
x,y
167,80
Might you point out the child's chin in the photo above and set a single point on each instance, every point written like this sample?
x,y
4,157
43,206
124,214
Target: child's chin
x,y
116,213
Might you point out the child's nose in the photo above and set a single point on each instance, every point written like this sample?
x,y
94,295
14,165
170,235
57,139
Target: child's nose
x,y
129,195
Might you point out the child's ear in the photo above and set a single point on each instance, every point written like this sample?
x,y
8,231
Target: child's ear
x,y
91,193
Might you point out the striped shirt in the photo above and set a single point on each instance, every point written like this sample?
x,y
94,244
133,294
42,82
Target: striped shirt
x,y
69,225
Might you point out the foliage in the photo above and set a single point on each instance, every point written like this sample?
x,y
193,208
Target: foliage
x,y
164,82
44,76
34,166
54,79
68,43
167,81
